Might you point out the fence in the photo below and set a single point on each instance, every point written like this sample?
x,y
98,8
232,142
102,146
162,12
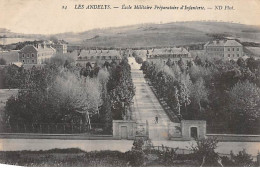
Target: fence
x,y
54,128
179,151
220,128
167,149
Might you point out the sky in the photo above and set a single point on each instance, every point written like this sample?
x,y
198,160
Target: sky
x,y
48,17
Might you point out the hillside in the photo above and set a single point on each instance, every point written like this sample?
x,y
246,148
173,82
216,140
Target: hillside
x,y
152,35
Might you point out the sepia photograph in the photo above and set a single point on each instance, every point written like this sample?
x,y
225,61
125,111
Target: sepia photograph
x,y
130,83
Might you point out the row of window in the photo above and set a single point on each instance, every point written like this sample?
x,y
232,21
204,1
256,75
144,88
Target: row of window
x,y
221,49
215,49
233,55
33,55
29,61
101,57
166,55
28,55
233,49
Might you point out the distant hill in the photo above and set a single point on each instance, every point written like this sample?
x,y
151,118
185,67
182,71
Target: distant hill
x,y
154,35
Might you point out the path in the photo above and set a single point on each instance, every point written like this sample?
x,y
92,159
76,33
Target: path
x,y
146,105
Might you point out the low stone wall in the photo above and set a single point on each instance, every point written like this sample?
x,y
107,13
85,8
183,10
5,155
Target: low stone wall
x,y
55,136
235,137
183,131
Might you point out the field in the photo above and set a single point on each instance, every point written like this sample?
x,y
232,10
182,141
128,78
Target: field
x,y
156,35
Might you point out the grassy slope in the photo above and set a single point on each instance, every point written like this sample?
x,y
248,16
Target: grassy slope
x,y
147,35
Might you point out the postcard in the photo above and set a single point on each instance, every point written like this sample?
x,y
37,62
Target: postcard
x,y
130,83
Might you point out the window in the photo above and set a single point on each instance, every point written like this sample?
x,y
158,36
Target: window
x,y
28,55
237,55
23,61
228,55
228,49
237,49
32,61
23,55
32,55
233,49
28,61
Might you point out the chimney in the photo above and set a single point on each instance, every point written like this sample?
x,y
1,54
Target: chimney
x,y
44,44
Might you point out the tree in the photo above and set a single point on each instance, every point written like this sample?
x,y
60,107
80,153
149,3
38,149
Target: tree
x,y
105,110
83,97
199,92
242,159
185,91
252,64
2,61
241,62
54,39
244,105
204,151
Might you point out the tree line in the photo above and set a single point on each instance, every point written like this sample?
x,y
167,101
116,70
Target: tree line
x,y
61,92
225,93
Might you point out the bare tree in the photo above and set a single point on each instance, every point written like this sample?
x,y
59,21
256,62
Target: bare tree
x,y
199,92
82,96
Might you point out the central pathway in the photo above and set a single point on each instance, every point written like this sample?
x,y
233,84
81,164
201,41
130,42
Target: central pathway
x,y
146,106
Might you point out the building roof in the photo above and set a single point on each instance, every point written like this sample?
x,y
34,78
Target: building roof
x,y
223,43
95,53
9,56
232,43
33,49
167,51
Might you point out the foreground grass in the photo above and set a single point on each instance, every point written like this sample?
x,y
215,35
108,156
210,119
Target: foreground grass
x,y
79,158
63,157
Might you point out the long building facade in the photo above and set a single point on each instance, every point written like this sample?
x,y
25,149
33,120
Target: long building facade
x,y
36,54
227,49
98,56
164,54
60,48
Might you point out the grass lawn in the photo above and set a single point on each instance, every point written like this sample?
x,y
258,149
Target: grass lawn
x,y
79,158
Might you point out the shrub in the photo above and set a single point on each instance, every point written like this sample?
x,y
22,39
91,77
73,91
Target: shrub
x,y
205,151
136,156
242,159
2,61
